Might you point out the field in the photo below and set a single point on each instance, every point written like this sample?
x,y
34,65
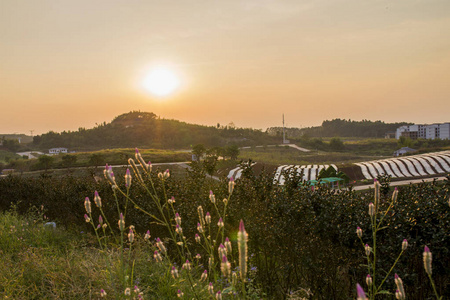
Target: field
x,y
302,243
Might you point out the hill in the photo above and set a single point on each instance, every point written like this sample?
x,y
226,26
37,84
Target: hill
x,y
145,129
342,128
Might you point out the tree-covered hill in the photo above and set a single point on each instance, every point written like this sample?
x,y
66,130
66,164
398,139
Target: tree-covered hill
x,y
341,128
145,129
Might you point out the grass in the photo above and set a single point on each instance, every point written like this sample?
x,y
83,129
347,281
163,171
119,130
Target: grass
x,y
286,155
40,262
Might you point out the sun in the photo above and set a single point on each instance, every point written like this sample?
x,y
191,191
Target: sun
x,y
161,82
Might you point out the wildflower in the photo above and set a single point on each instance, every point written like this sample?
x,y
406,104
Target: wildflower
x,y
225,266
398,294
404,244
177,219
211,288
97,199
128,178
179,230
166,174
371,209
210,262
187,265
222,250
174,272
109,175
131,235
394,195
157,256
198,256
180,294
121,222
234,278
399,283
104,226
359,232
219,295
242,245
427,258
377,192
204,276
220,223
231,185
102,293
127,292
369,280
208,218
160,175
87,205
360,292
171,200
199,227
227,244
200,214
149,166
139,158
160,245
212,197
147,235
368,249
136,289
86,218
197,238
100,220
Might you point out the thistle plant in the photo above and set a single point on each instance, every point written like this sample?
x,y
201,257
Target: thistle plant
x,y
174,250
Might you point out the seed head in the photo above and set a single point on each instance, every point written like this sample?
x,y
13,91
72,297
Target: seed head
x,y
399,283
171,200
208,218
199,227
174,272
86,218
121,222
97,199
231,185
147,235
242,246
371,209
131,235
368,249
211,288
160,245
177,219
187,265
404,244
102,293
220,223
87,205
369,280
128,178
157,256
204,276
197,238
427,260
225,267
227,244
359,232
212,197
360,292
180,294
219,295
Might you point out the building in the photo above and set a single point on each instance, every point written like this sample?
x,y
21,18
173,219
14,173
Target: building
x,y
422,131
57,150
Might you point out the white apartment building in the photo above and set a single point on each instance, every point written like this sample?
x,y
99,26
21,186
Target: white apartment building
x,y
421,131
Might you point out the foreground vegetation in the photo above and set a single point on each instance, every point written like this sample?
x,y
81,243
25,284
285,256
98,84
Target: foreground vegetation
x,y
302,243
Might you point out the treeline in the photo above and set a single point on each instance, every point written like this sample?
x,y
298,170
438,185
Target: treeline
x,y
144,129
341,128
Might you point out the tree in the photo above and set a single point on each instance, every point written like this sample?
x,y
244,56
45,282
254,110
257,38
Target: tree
x,y
11,145
198,150
336,144
69,160
45,161
97,159
232,152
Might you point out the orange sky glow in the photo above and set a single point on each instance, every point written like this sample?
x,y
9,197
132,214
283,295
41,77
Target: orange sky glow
x,y
70,64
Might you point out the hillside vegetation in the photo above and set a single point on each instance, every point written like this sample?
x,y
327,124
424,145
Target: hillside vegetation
x,y
146,130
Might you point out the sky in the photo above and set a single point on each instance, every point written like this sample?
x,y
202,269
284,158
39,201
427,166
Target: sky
x,y
70,64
